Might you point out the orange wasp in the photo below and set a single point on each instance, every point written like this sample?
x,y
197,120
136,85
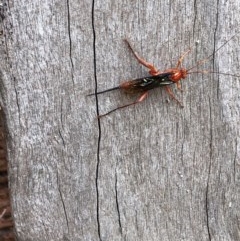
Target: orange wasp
x,y
158,78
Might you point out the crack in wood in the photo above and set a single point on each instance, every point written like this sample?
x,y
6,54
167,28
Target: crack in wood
x,y
117,203
70,40
98,121
63,203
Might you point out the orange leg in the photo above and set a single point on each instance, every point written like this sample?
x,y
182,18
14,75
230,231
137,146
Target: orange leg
x,y
179,86
169,91
180,60
152,69
140,99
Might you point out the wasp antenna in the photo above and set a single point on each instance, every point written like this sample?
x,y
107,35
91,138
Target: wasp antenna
x,y
213,72
201,62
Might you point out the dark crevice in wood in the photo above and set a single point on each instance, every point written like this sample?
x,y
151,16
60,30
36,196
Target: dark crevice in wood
x,y
117,203
99,125
195,16
70,40
6,221
61,113
63,204
17,102
235,161
214,48
61,136
207,209
209,173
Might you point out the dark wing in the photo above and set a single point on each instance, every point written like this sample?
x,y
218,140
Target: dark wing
x,y
146,83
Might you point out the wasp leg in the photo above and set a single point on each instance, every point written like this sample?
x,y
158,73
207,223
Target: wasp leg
x,y
169,91
179,86
140,99
152,69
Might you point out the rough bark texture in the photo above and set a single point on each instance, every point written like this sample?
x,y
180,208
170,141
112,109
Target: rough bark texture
x,y
154,171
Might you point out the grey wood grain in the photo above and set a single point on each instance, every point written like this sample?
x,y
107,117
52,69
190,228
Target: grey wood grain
x,y
153,171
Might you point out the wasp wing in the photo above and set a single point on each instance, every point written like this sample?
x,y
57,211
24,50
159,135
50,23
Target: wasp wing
x,y
146,83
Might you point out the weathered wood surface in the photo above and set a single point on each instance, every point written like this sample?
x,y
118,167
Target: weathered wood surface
x,y
150,172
